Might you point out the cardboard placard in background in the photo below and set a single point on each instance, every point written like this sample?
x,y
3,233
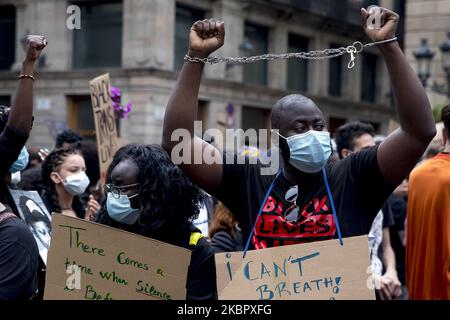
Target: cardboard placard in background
x,y
113,264
320,270
32,210
105,122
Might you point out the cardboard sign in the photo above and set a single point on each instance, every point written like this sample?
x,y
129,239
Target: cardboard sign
x,y
111,264
31,209
321,271
105,122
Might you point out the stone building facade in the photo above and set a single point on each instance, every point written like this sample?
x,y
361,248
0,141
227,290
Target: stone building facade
x,y
141,43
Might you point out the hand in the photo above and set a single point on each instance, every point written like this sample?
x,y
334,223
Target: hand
x,y
206,37
92,208
34,46
388,24
43,153
389,286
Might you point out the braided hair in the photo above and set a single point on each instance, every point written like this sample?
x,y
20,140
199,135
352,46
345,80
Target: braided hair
x,y
166,195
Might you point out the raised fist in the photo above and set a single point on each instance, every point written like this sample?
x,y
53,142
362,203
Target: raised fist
x,y
34,46
379,23
206,37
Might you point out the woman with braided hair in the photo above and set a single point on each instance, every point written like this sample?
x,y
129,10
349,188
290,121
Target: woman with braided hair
x,y
64,180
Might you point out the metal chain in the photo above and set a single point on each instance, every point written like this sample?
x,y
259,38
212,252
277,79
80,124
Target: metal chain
x,y
355,48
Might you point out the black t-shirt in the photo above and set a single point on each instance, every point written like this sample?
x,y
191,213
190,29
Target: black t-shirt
x,y
397,208
388,218
19,258
305,215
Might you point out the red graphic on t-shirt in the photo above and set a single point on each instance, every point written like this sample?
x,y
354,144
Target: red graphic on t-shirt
x,y
314,222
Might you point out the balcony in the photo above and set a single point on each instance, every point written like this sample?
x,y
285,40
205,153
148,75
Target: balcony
x,y
342,11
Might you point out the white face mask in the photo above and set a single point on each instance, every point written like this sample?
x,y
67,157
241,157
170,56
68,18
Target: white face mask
x,y
76,184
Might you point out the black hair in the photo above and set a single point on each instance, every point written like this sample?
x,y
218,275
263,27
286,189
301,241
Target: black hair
x,y
166,196
346,134
49,194
67,136
90,154
445,116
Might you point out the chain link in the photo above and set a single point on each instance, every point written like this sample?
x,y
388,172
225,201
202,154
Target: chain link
x,y
356,48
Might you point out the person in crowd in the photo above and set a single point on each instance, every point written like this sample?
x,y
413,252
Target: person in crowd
x,y
19,254
305,146
89,151
148,195
67,138
428,227
224,231
397,204
64,179
355,137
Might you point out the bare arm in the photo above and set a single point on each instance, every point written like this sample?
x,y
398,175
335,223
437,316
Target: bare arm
x,y
21,114
205,37
401,150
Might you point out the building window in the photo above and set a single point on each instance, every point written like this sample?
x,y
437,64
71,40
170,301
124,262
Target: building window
x,y
5,101
368,3
99,41
335,123
8,36
335,75
297,68
255,118
81,117
368,80
185,17
257,38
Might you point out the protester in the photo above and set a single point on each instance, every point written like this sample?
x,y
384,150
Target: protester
x,y
305,147
148,195
428,227
351,138
224,232
64,179
18,250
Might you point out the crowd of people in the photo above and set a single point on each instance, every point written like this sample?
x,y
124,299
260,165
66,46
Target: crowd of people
x,y
326,187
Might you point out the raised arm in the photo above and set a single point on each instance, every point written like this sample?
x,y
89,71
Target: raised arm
x,y
205,37
401,150
20,117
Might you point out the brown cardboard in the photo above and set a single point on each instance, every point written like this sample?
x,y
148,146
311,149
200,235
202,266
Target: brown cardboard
x,y
328,271
167,264
105,122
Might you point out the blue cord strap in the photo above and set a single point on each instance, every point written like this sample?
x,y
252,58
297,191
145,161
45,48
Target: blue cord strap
x,y
267,195
332,206
260,211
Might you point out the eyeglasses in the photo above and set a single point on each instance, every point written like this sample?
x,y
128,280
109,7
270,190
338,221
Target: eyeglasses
x,y
117,191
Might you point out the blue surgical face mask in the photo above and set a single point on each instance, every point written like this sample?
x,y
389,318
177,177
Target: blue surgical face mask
x,y
21,162
76,184
309,151
119,208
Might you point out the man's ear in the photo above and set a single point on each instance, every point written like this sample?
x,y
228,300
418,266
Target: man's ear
x,y
344,153
55,177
